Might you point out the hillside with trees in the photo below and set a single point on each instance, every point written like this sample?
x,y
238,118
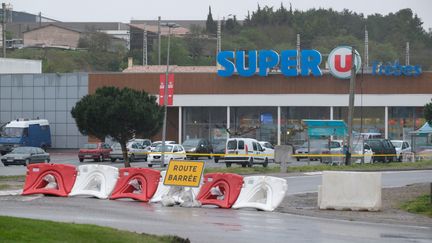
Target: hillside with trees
x,y
264,28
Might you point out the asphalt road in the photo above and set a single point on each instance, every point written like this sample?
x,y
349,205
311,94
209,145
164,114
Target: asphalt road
x,y
221,225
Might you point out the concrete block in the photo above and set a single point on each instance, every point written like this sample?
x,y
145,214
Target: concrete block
x,y
350,191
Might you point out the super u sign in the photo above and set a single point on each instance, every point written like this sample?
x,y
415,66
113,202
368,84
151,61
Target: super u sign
x,y
340,62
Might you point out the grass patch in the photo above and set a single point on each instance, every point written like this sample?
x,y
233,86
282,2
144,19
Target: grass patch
x,y
6,187
420,205
30,230
12,178
321,167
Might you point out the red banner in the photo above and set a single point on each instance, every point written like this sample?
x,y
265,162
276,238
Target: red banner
x,y
162,78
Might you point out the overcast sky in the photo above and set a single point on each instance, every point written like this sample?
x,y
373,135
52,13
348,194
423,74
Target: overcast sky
x,y
126,10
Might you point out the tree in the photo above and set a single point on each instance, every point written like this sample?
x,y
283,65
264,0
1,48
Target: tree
x,y
211,25
428,113
118,113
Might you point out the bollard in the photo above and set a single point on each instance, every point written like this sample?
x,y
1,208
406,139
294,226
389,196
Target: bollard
x,y
283,155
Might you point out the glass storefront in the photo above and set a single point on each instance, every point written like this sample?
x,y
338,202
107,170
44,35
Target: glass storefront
x,y
261,122
365,120
254,122
204,122
292,131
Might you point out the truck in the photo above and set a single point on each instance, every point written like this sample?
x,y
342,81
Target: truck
x,y
24,132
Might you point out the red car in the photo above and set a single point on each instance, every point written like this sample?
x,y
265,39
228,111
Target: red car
x,y
96,151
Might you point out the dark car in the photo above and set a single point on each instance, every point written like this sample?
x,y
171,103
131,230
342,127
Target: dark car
x,y
196,146
219,146
95,151
25,156
383,150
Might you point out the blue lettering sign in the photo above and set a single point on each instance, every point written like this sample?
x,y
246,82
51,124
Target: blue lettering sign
x,y
395,69
266,60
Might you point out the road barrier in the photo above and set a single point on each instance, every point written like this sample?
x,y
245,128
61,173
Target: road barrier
x,y
52,179
220,189
95,180
136,183
101,181
342,190
261,192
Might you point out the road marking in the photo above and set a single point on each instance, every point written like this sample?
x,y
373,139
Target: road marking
x,y
11,193
313,173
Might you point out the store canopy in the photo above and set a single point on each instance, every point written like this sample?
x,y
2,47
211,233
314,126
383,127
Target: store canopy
x,y
425,129
326,128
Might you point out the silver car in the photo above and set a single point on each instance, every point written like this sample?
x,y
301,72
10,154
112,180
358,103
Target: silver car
x,y
25,156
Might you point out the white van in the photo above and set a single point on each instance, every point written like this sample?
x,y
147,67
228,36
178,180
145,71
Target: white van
x,y
244,151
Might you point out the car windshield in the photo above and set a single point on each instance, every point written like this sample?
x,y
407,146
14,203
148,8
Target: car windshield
x,y
397,144
374,143
168,148
155,144
90,146
12,132
191,142
232,144
22,150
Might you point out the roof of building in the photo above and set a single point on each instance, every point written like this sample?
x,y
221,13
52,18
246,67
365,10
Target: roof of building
x,y
49,25
172,68
164,29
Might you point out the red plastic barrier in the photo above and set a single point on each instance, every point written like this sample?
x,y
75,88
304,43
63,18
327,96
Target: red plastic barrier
x,y
226,185
136,183
52,179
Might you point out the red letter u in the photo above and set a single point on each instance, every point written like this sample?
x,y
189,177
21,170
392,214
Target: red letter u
x,y
338,66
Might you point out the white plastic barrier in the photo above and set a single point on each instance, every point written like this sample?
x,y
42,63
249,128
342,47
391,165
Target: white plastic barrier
x,y
350,191
95,180
261,192
161,190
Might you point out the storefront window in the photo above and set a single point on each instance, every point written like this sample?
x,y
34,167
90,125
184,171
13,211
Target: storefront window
x,y
254,122
292,131
403,120
366,119
204,122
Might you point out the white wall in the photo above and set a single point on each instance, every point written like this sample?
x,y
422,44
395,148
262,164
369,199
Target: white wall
x,y
11,65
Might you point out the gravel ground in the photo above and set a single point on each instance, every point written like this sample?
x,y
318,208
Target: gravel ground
x,y
392,198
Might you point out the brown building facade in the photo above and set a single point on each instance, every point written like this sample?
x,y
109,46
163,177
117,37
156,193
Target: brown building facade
x,y
271,108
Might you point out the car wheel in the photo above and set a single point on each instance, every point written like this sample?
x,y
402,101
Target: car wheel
x,y
250,164
113,159
150,165
81,160
228,165
216,159
298,159
265,164
244,165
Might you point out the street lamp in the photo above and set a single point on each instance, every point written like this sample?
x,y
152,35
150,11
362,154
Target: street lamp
x,y
170,26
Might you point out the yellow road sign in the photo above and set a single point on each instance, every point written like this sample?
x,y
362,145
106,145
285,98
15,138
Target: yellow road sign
x,y
184,173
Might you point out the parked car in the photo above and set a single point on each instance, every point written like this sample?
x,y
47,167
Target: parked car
x,y
144,142
244,151
157,143
172,152
95,151
135,151
383,150
197,146
25,156
268,149
219,146
401,147
316,147
333,147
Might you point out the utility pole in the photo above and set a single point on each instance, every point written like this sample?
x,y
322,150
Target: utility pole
x,y
159,41
4,29
351,107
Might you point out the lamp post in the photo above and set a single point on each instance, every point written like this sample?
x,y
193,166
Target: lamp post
x,y
170,26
